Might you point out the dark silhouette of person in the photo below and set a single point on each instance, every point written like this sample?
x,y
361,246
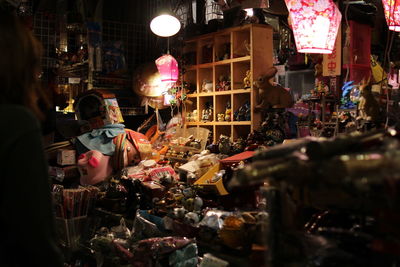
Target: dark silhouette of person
x,y
26,218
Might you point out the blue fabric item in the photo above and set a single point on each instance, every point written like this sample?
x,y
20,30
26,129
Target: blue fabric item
x,y
102,139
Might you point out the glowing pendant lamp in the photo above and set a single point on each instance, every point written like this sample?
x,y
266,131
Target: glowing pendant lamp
x,y
392,14
315,24
165,25
168,68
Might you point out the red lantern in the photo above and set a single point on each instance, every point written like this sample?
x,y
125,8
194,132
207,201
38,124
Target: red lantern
x,y
392,14
315,24
168,68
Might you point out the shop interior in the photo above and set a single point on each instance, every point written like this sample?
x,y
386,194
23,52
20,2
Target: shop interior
x,y
219,133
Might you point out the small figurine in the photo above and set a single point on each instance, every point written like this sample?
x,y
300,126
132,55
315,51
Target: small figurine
x,y
224,83
207,112
189,116
243,112
228,111
247,80
221,117
195,115
224,145
207,86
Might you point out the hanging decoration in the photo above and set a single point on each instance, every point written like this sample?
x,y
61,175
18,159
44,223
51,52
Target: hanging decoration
x,y
168,68
392,14
315,25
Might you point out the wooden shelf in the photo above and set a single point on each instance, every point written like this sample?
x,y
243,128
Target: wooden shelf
x,y
241,91
218,123
228,92
250,48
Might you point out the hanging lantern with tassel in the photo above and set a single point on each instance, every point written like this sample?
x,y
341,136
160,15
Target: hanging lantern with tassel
x,y
392,14
315,24
168,68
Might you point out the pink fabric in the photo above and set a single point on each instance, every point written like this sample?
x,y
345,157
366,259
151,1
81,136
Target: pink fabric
x,y
94,167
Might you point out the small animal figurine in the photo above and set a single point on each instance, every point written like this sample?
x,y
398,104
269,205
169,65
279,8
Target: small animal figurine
x,y
224,145
221,117
228,112
195,115
247,80
368,106
272,95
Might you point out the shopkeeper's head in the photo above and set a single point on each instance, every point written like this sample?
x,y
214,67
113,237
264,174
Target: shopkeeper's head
x,y
19,62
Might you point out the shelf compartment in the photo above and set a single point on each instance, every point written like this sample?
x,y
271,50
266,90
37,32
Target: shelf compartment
x,y
241,43
221,102
222,78
222,129
190,77
239,70
190,107
238,101
241,131
206,51
205,80
203,100
189,53
223,48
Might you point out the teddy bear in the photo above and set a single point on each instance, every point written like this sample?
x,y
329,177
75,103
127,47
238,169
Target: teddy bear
x,y
272,95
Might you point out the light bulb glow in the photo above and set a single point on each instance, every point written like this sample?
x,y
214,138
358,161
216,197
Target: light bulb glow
x,y
165,25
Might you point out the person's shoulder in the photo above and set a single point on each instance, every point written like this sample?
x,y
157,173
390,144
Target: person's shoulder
x,y
17,116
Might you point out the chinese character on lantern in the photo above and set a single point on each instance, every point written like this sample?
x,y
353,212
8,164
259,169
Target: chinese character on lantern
x,y
315,24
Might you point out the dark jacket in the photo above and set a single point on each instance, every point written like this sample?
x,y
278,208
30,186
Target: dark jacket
x,y
27,233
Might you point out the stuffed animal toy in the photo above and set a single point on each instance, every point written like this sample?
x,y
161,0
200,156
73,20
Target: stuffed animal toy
x,y
368,106
272,95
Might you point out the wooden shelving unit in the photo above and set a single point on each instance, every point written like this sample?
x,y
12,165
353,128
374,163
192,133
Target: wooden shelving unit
x,y
247,47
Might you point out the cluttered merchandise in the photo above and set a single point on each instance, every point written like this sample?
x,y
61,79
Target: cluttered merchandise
x,y
167,195
267,138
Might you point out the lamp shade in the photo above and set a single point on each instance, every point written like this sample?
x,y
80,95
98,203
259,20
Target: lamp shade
x,y
168,68
315,24
392,14
165,25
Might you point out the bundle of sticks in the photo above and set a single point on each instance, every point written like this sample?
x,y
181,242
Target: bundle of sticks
x,y
72,203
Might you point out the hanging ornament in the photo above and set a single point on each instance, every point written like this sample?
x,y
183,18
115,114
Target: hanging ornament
x,y
392,14
315,25
168,68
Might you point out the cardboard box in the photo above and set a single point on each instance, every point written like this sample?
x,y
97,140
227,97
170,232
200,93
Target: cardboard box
x,y
66,157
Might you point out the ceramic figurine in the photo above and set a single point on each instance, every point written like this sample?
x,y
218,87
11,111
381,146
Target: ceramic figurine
x,y
207,112
224,145
207,86
221,117
189,116
195,115
247,80
228,112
